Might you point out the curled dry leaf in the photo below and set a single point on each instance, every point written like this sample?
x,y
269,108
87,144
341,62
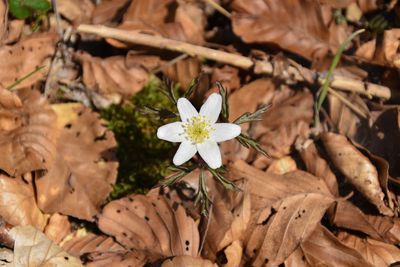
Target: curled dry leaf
x,y
78,245
377,253
284,124
105,12
85,165
27,133
322,248
282,165
76,11
111,76
233,254
357,168
185,260
290,222
316,165
58,227
24,57
120,258
3,19
349,216
296,26
148,222
32,248
17,202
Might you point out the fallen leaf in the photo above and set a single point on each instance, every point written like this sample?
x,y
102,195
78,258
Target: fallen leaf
x,y
78,245
282,165
322,248
111,75
15,28
3,19
193,21
120,258
185,260
25,56
78,183
17,202
27,133
295,218
33,248
233,254
318,166
377,253
105,12
147,222
296,26
58,227
228,76
76,11
357,168
183,71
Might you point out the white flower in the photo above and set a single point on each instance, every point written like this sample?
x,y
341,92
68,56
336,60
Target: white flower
x,y
199,132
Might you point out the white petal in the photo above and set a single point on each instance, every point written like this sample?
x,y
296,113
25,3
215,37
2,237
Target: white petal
x,y
185,152
171,132
224,132
210,153
186,109
212,107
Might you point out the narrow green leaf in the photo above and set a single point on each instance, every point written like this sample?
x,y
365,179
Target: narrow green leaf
x,y
255,116
24,78
192,85
335,61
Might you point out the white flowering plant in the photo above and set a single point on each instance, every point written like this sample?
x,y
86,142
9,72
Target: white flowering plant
x,y
199,132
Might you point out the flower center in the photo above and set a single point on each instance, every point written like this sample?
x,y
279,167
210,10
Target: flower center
x,y
197,129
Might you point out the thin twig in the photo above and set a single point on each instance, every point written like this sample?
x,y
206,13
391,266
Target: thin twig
x,y
347,103
169,63
58,18
207,226
259,67
219,8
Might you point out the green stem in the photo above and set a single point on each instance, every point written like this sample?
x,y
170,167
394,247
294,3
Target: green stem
x,y
24,78
324,91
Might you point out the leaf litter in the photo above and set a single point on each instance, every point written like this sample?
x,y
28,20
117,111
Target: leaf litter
x,y
328,196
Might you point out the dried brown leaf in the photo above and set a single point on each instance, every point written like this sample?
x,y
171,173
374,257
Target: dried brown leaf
x,y
185,260
377,253
282,165
183,71
25,56
295,218
120,258
349,216
32,248
229,78
15,28
58,227
192,19
80,244
76,11
27,133
17,202
357,168
77,183
233,254
3,19
284,124
294,25
111,75
105,12
322,248
318,166
148,222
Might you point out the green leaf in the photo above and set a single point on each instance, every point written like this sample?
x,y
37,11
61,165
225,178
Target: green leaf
x,y
40,5
250,142
227,184
256,116
19,9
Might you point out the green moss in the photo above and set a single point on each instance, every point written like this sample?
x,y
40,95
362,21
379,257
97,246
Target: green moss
x,y
143,158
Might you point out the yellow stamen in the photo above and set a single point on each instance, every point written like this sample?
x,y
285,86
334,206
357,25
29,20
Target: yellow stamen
x,y
197,129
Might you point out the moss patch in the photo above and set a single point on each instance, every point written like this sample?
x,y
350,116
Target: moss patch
x,y
143,158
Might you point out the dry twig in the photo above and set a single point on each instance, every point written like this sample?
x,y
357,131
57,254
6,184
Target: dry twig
x,y
259,67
